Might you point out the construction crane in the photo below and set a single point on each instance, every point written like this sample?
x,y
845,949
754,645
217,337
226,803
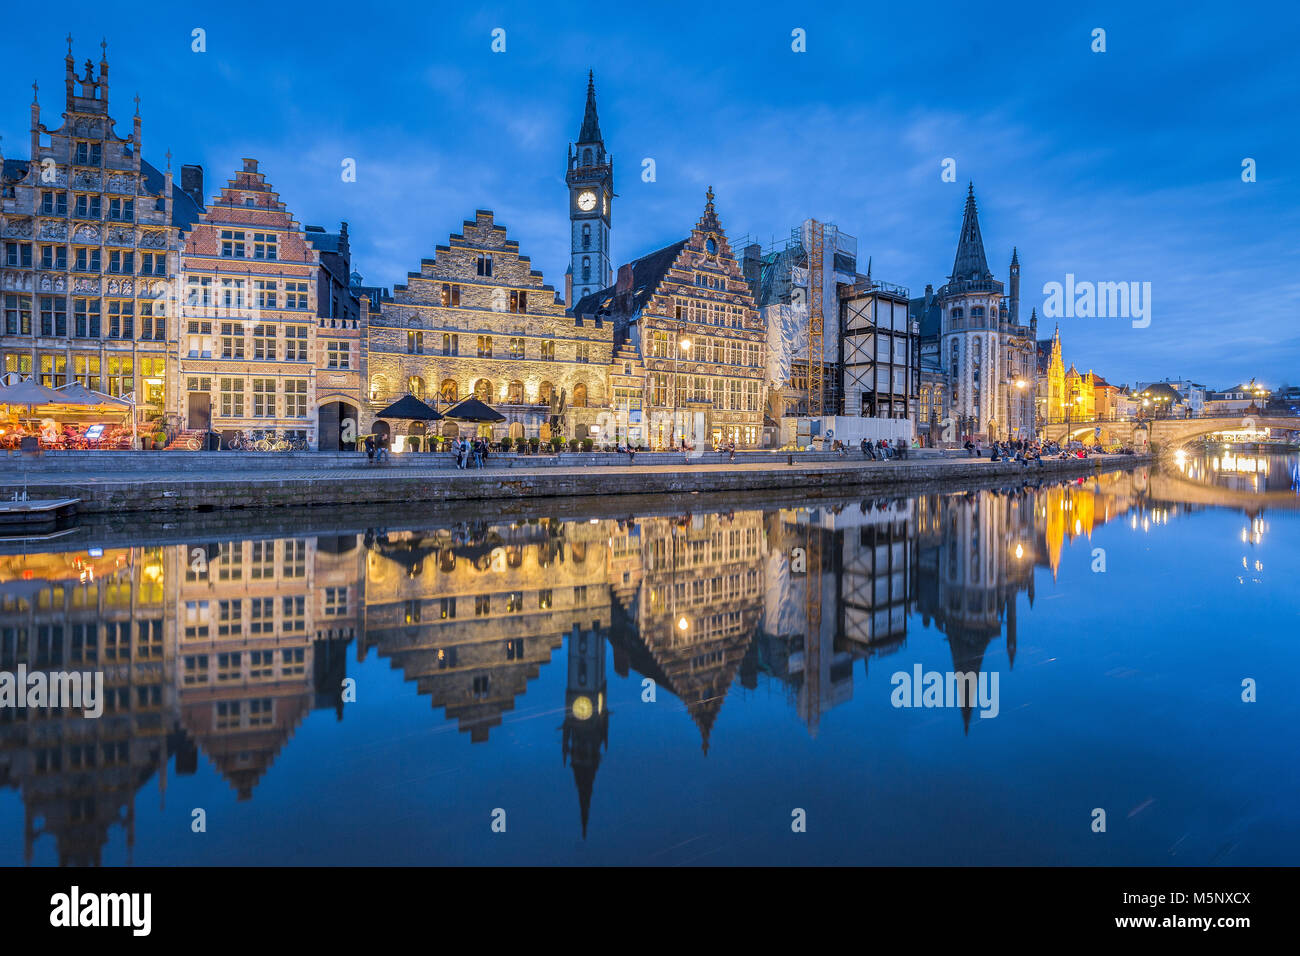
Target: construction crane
x,y
816,323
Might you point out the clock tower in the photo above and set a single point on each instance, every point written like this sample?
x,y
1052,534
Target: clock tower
x,y
590,178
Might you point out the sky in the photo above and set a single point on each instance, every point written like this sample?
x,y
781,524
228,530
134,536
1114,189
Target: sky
x,y
1117,166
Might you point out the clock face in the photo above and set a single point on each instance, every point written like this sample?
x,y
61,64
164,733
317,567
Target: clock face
x,y
582,708
587,201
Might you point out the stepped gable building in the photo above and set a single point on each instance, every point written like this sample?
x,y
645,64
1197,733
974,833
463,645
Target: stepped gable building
x,y
971,329
590,178
90,234
478,320
688,315
272,342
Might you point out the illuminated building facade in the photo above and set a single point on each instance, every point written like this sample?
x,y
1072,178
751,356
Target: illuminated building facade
x,y
477,320
272,341
90,234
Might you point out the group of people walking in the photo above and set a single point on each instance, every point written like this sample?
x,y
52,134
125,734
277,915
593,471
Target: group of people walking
x,y
470,454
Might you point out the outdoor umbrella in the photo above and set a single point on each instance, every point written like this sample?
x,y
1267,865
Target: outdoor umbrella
x,y
472,410
410,408
31,393
74,393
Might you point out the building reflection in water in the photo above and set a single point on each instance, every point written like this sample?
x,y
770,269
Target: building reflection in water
x,y
222,648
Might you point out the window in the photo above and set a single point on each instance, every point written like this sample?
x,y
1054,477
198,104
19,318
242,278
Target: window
x,y
485,346
89,154
121,375
85,369
336,601
582,352
586,235
153,319
450,343
121,263
54,257
199,292
586,268
484,265
232,295
295,398
415,343
519,301
447,608
450,294
88,207
85,315
87,260
54,204
121,210
267,297
482,604
516,347
232,244
153,264
232,340
295,295
54,315
264,342
295,343
292,615
121,319
232,398
265,245
339,354
263,398
548,351
54,370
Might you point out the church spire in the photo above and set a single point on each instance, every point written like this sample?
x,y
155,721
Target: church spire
x,y
590,132
970,262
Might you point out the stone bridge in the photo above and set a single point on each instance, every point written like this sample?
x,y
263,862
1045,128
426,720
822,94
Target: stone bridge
x,y
1167,433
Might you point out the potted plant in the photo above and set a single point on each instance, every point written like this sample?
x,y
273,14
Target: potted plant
x,y
587,444
160,440
533,445
506,443
556,444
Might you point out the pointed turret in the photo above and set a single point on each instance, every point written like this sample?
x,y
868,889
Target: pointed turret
x,y
1014,282
970,262
590,132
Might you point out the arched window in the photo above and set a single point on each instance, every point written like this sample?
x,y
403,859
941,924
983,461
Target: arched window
x,y
415,385
586,268
545,391
515,393
977,312
957,312
586,235
483,390
449,391
580,395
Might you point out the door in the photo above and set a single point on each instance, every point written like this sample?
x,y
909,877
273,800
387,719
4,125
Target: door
x,y
200,410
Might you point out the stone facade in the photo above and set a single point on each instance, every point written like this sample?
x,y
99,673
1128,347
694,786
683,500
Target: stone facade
x,y
690,315
478,320
90,235
989,358
260,349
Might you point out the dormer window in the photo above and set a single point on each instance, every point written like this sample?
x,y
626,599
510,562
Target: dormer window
x,y
484,265
89,154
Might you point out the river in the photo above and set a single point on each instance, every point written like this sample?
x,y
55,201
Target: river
x,y
691,682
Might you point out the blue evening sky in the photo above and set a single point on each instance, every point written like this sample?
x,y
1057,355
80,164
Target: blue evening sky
x,y
1115,166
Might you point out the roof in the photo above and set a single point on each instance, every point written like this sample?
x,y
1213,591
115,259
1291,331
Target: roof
x,y
647,273
970,262
185,211
590,132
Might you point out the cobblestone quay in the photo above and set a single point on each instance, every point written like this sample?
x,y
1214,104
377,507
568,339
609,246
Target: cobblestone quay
x,y
179,482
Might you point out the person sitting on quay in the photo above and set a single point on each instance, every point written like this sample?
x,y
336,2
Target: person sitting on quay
x,y
370,449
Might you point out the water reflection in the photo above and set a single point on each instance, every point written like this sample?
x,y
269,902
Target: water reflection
x,y
222,648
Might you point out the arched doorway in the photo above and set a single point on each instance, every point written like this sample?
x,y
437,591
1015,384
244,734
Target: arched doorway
x,y
450,430
449,391
336,426
381,427
516,429
579,395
